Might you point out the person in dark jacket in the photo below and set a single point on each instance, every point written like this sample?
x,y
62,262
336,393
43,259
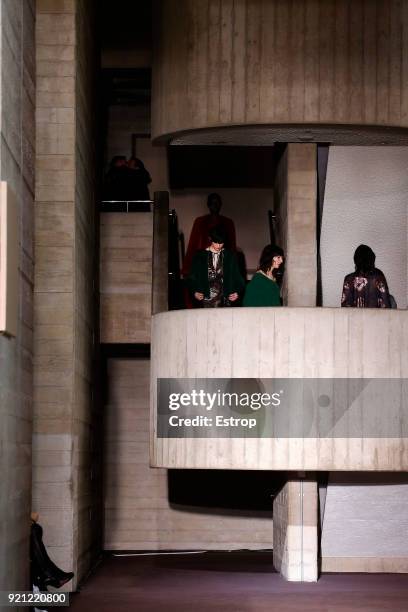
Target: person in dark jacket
x,y
214,279
44,572
138,179
367,286
263,290
116,178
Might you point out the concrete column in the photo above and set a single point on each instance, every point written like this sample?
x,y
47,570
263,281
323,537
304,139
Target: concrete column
x,y
66,469
160,252
295,206
295,531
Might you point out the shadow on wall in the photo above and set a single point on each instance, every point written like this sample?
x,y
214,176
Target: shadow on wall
x,y
235,492
365,202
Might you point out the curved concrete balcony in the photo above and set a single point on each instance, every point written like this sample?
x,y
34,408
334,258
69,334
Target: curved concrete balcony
x,y
270,65
345,370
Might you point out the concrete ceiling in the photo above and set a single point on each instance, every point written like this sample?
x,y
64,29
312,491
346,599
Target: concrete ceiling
x,y
267,135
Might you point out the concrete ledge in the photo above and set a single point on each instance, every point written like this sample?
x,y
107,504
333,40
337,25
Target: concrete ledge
x,y
374,565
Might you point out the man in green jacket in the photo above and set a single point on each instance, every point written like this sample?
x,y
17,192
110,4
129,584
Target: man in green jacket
x,y
214,279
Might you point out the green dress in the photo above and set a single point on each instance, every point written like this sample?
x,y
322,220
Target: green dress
x,y
262,291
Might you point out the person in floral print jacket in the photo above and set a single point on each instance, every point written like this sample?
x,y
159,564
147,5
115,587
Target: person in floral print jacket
x,y
367,286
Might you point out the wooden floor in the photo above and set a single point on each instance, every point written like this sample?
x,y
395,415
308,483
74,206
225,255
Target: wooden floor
x,y
229,582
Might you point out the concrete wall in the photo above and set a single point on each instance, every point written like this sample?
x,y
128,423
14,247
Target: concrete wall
x,y
64,276
123,121
126,249
365,202
235,62
138,514
17,152
365,523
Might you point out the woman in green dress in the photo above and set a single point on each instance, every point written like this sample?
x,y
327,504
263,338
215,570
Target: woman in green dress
x,y
263,290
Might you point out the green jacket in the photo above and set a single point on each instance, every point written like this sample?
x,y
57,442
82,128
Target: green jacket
x,y
262,291
197,280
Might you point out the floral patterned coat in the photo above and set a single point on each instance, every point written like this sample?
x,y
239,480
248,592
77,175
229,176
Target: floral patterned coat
x,y
368,290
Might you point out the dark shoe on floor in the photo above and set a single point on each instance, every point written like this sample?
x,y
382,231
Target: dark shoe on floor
x,y
57,583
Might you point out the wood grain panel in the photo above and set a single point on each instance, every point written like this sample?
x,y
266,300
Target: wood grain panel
x,y
404,64
253,55
383,61
221,63
200,48
312,61
326,59
233,343
213,58
238,61
224,68
395,58
342,67
297,81
267,65
281,73
369,69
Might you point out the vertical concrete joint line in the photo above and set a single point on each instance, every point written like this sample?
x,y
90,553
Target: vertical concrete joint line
x,y
301,531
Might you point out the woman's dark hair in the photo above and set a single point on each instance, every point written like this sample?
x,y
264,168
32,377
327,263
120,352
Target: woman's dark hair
x,y
364,259
267,255
217,234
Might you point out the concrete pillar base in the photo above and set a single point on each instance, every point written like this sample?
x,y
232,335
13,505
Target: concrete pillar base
x,y
295,531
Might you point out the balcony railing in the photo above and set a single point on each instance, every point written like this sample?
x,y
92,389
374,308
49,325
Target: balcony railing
x,y
127,206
